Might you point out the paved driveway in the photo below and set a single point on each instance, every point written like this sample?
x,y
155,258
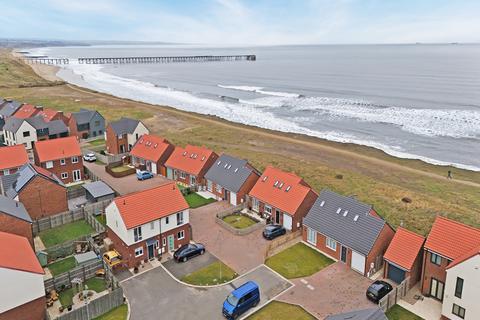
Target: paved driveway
x,y
241,253
179,270
335,289
155,295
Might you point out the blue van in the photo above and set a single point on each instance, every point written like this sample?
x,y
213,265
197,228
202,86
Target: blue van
x,y
241,299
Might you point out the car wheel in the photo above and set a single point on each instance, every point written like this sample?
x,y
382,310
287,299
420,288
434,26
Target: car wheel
x,y
184,259
255,304
202,252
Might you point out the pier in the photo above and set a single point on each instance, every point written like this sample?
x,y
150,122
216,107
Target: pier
x,y
124,60
47,61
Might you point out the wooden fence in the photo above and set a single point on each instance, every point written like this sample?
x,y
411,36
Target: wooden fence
x,y
121,174
106,158
75,192
83,272
396,294
65,249
281,242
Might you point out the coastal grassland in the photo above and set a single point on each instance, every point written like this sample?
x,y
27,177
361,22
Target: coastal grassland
x,y
369,174
14,73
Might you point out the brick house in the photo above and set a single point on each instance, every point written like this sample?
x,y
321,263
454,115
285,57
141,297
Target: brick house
x,y
27,111
121,135
150,153
61,157
145,224
188,165
86,124
283,197
404,257
231,179
12,158
21,276
447,241
50,115
348,231
15,219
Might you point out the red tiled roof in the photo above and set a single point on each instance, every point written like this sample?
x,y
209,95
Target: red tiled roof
x,y
404,248
467,255
451,239
13,157
278,196
16,253
26,111
191,159
150,147
48,114
55,149
150,205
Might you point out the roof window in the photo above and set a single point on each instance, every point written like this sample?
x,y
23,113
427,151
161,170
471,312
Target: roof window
x,y
203,158
265,178
155,145
280,185
218,163
322,203
288,188
229,166
276,183
184,153
339,209
345,213
236,170
355,218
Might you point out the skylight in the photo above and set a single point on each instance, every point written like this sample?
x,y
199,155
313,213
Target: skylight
x,y
156,145
229,166
276,183
281,185
345,213
203,158
322,203
264,178
339,209
288,188
355,218
218,163
226,165
236,169
184,153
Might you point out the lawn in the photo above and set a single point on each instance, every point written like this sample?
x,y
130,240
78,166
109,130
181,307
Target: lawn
x,y
65,233
61,266
276,310
121,168
210,275
119,313
102,219
195,200
398,313
95,284
98,142
239,221
298,261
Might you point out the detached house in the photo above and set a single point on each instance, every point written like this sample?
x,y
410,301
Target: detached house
x,y
282,197
348,230
15,219
231,179
86,124
12,158
145,224
61,157
121,135
8,108
150,153
49,115
27,111
188,165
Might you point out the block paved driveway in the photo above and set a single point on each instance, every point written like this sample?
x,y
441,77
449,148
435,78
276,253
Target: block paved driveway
x,y
155,295
335,289
241,253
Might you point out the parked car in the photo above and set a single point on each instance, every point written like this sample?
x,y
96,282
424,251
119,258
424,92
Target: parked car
x,y
378,290
188,251
112,258
144,175
90,157
273,230
241,299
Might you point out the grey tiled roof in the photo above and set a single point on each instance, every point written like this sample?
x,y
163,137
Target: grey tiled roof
x,y
57,127
2,123
25,174
8,180
83,116
14,209
98,189
359,235
366,314
9,108
229,172
37,122
12,124
124,125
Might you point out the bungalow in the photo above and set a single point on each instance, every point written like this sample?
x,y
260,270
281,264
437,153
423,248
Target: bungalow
x,y
404,257
150,153
12,158
15,219
86,123
8,108
282,197
231,179
21,276
349,231
447,243
61,157
121,135
188,165
365,314
146,224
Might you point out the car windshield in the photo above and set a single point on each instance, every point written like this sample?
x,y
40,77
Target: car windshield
x,y
271,228
232,300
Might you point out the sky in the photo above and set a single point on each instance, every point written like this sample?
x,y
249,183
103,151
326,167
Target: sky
x,y
240,22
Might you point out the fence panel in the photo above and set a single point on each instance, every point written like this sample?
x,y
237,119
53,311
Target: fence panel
x,y
76,192
396,294
281,241
83,272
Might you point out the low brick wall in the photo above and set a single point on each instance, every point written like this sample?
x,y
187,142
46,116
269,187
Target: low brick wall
x,y
109,167
238,232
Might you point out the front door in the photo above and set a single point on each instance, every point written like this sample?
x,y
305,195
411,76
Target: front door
x,y
277,216
436,289
171,243
343,257
76,175
151,252
255,204
225,195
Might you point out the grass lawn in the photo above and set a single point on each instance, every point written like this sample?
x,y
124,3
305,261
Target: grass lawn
x,y
239,221
102,219
121,169
95,284
98,142
61,266
298,261
65,233
398,313
276,310
119,313
195,200
210,275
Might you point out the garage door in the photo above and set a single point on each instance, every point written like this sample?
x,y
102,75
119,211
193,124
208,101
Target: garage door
x,y
396,274
358,262
287,221
233,198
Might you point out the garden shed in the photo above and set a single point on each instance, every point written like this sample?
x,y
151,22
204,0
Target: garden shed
x,y
98,191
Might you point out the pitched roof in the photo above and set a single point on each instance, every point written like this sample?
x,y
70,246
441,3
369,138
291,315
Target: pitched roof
x,y
48,114
230,172
17,254
60,148
366,314
464,257
98,189
13,156
150,147
56,127
150,205
404,248
191,159
25,175
83,116
283,190
9,107
451,239
14,208
124,126
12,124
346,220
26,111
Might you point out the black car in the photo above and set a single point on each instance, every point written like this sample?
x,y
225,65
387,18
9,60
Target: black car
x,y
378,290
273,230
188,251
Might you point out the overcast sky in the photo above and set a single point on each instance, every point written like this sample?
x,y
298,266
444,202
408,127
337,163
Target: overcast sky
x,y
232,22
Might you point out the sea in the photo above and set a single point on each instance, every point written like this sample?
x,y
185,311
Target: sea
x,y
414,101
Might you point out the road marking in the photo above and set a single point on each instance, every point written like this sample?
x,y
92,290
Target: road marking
x,y
310,287
304,281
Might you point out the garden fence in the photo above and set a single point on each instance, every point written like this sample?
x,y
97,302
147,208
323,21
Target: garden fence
x,y
396,294
65,249
282,242
107,158
84,272
75,192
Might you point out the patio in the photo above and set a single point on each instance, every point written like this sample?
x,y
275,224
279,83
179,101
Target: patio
x,y
425,307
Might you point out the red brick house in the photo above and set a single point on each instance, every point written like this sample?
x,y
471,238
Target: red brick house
x,y
447,241
348,231
21,276
15,219
146,224
283,197
150,153
49,115
12,158
27,111
61,157
404,257
121,135
188,165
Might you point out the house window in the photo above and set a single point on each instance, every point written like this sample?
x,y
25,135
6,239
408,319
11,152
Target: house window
x,y
458,311
137,234
49,164
157,244
167,220
435,259
331,244
62,162
74,159
459,288
164,242
6,172
180,235
152,225
179,218
97,123
64,175
193,180
139,252
311,236
182,175
218,188
268,209
26,134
